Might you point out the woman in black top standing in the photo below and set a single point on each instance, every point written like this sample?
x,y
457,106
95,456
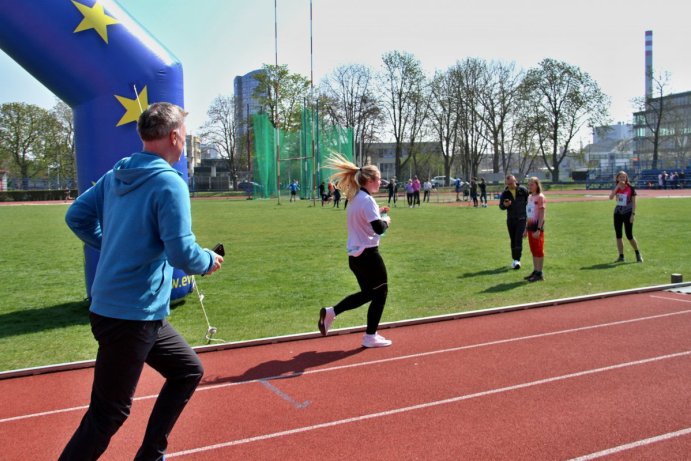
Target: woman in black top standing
x,y
514,200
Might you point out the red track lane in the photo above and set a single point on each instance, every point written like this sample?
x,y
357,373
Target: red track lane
x,y
549,383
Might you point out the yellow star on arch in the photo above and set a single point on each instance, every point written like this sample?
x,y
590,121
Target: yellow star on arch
x,y
94,18
134,107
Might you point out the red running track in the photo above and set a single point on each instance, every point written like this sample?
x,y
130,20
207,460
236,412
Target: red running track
x,y
607,378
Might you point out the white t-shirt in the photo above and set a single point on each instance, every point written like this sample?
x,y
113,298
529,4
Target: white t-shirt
x,y
361,212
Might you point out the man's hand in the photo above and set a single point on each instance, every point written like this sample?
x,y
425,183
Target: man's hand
x,y
218,261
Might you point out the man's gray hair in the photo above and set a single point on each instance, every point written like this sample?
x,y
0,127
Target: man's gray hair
x,y
159,119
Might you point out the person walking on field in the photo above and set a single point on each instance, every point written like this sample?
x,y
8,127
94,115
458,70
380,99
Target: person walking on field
x,y
392,188
294,188
427,189
138,216
322,193
416,191
409,193
624,214
473,191
457,184
514,200
535,228
365,226
483,192
337,198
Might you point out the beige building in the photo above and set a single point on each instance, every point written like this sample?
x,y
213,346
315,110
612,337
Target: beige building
x,y
193,151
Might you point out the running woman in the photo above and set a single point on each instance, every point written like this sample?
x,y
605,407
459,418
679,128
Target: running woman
x,y
624,214
365,226
535,227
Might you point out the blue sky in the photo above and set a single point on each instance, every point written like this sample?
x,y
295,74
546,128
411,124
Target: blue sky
x,y
218,39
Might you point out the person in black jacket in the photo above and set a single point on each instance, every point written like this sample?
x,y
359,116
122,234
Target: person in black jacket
x,y
514,200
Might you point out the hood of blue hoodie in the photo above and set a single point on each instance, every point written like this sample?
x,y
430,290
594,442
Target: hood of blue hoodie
x,y
132,172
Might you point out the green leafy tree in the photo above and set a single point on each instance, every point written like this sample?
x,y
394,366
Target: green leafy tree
x,y
22,138
282,94
561,100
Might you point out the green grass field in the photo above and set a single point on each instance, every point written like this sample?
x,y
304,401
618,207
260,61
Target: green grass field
x,y
284,262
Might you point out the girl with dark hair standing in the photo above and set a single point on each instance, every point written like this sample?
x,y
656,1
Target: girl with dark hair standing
x,y
365,226
624,214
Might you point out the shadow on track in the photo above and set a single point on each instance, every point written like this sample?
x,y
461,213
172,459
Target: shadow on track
x,y
280,369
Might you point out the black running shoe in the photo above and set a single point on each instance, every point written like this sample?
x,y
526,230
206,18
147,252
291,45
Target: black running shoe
x,y
536,278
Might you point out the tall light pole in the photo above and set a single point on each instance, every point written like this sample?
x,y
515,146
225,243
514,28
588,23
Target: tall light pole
x,y
277,135
312,116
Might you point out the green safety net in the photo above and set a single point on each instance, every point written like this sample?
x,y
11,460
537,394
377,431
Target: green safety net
x,y
301,154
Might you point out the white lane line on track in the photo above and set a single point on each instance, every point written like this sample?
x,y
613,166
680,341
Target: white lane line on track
x,y
377,362
671,299
636,444
424,405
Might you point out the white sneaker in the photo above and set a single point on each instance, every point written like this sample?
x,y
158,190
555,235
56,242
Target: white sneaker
x,y
513,264
326,318
517,264
375,340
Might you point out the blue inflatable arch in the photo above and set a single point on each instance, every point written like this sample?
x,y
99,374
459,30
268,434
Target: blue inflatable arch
x,y
107,68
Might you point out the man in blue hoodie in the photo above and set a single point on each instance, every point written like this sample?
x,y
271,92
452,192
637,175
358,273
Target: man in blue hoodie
x,y
138,216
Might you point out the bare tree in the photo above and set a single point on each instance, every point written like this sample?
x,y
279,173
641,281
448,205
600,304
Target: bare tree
x,y
526,146
499,96
221,130
468,76
562,100
59,141
444,117
402,82
347,98
654,111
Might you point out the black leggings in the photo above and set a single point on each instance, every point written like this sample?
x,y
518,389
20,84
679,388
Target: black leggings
x,y
370,272
625,221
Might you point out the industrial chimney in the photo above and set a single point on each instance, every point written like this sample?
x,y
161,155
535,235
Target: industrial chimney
x,y
648,64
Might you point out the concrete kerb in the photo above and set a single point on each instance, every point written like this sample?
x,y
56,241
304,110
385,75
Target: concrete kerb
x,y
358,329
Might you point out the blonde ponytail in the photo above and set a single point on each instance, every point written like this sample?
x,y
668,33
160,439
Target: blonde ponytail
x,y
349,177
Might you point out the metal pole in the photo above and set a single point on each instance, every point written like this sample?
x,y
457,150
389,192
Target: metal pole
x,y
314,157
277,135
